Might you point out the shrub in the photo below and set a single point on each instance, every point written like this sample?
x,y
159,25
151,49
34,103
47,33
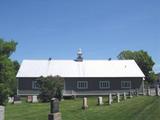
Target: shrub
x,y
3,94
50,87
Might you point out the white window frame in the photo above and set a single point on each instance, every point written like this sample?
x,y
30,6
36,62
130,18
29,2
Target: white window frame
x,y
124,82
103,83
35,85
82,84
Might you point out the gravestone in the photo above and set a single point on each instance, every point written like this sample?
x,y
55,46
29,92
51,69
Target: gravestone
x,y
29,98
34,99
100,101
130,94
118,97
124,96
2,110
54,105
110,99
157,90
10,99
148,91
85,105
54,110
17,100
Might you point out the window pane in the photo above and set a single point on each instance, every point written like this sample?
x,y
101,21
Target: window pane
x,y
125,84
104,84
82,84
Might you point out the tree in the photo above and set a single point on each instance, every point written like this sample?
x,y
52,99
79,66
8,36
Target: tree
x,y
50,87
16,65
3,94
7,70
143,60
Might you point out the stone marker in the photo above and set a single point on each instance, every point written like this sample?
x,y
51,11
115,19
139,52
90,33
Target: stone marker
x,y
2,110
10,99
54,105
100,101
85,105
29,98
110,99
54,110
17,100
118,97
54,116
130,94
148,91
34,99
157,90
124,96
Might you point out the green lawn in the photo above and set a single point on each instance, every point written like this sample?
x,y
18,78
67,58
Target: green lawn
x,y
137,108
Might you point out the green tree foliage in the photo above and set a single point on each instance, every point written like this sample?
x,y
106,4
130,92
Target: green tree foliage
x,y
7,48
50,87
4,90
8,70
143,60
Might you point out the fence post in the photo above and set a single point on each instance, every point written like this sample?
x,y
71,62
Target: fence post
x,y
110,99
118,97
85,105
124,96
100,100
2,112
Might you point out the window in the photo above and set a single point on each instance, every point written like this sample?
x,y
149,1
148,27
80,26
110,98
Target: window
x,y
82,84
104,84
35,85
125,84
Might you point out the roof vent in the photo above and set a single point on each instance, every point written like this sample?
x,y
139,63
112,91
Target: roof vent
x,y
79,55
109,59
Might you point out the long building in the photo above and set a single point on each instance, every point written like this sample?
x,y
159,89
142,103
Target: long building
x,y
82,77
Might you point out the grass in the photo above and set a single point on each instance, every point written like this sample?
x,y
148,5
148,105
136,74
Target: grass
x,y
137,108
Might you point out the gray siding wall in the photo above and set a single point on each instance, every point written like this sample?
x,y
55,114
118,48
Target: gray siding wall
x,y
93,83
25,84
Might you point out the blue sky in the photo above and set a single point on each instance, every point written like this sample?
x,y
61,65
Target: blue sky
x,y
102,28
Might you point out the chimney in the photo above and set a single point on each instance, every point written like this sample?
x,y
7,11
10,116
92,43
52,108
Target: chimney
x,y
79,55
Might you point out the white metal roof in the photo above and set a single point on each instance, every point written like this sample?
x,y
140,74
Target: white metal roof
x,y
86,68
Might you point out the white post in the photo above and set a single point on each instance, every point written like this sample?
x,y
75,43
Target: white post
x,y
110,99
118,97
124,96
85,105
34,99
143,90
100,101
2,111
